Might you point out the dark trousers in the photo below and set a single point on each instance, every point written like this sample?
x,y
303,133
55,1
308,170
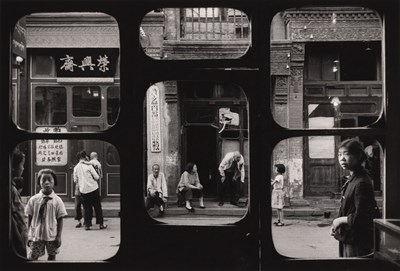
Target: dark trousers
x,y
156,200
346,250
78,207
187,194
233,185
90,200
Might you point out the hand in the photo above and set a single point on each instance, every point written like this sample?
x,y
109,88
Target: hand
x,y
58,241
200,187
165,200
152,194
222,179
332,231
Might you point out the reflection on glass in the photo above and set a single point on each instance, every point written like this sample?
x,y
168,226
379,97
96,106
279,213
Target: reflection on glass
x,y
86,101
112,105
195,33
50,105
208,121
312,190
60,156
320,55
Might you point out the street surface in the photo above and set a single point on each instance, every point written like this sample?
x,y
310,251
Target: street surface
x,y
299,238
93,245
305,238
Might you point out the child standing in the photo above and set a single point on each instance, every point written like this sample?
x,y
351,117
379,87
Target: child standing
x,y
277,193
45,212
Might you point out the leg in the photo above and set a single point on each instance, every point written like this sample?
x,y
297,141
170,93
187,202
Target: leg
x,y
97,207
78,210
37,250
88,212
221,191
149,202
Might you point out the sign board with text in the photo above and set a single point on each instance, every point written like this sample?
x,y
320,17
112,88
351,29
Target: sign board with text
x,y
51,152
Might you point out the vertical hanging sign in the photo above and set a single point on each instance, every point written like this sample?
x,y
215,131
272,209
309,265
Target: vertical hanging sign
x,y
154,108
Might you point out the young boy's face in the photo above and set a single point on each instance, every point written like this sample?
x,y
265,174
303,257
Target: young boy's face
x,y
47,183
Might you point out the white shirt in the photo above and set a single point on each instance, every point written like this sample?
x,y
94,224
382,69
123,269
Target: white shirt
x,y
55,208
86,176
157,184
226,163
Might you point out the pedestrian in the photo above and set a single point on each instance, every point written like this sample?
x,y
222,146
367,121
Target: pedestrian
x,y
78,203
232,174
188,185
45,212
353,227
86,177
96,164
277,196
19,230
157,192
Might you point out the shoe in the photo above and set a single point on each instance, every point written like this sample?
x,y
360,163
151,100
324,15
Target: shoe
x,y
160,213
234,203
221,203
103,226
275,223
87,228
190,209
78,225
202,207
279,224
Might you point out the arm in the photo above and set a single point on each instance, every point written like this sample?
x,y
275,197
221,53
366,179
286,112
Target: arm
x,y
242,171
362,199
94,173
164,188
197,183
222,165
60,223
75,176
150,189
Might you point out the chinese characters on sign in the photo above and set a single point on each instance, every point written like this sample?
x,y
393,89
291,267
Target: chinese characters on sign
x,y
86,62
155,131
51,152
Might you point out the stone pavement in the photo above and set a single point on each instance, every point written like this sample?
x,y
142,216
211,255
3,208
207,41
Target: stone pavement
x,y
93,245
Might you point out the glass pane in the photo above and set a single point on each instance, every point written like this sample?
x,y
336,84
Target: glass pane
x,y
69,74
37,160
86,101
112,105
308,192
195,33
50,105
202,132
327,56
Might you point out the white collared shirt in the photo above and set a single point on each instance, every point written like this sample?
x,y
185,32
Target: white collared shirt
x,y
46,229
85,175
158,184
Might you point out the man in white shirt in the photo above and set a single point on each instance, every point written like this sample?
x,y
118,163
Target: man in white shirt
x,y
86,177
157,193
232,173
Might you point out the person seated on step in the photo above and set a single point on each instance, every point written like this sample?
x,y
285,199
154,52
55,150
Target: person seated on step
x,y
189,184
157,192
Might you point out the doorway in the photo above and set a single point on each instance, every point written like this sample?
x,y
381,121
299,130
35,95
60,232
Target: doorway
x,y
201,149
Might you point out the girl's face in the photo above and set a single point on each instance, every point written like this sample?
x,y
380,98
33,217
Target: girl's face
x,y
348,160
20,168
47,183
194,170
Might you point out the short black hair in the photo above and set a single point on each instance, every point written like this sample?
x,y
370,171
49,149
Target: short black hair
x,y
46,171
81,154
189,167
280,168
354,146
16,159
